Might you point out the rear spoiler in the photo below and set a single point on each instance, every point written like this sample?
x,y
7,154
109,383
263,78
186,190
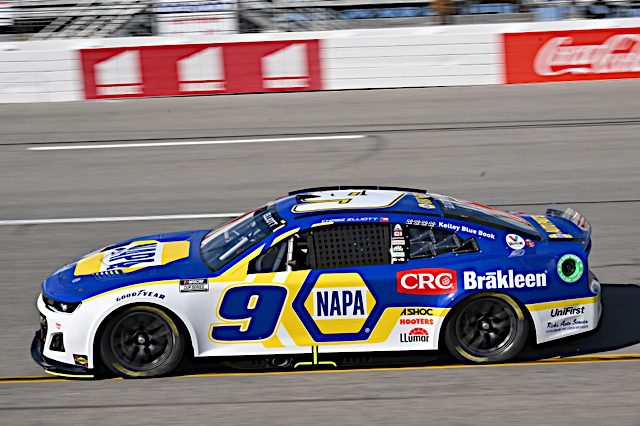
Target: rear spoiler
x,y
574,217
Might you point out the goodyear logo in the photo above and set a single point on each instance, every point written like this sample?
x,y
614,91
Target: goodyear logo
x,y
339,303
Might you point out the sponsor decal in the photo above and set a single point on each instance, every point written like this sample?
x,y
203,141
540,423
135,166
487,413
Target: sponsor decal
x,y
339,303
190,286
415,321
415,335
134,255
81,360
517,253
421,222
560,236
575,272
424,202
397,231
566,325
58,325
530,243
416,311
384,219
549,227
516,242
494,280
140,293
427,281
609,53
464,228
566,311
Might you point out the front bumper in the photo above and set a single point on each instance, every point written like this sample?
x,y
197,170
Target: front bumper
x,y
54,367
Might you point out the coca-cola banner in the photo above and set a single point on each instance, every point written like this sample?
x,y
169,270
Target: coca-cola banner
x,y
572,55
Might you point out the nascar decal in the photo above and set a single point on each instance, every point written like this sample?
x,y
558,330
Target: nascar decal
x,y
550,228
134,256
339,200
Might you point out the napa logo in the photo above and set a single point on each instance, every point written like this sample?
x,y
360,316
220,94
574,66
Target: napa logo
x,y
132,257
339,303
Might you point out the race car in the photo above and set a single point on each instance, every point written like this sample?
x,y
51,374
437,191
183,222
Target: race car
x,y
322,276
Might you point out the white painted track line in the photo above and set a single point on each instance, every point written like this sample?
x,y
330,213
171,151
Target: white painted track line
x,y
116,219
184,143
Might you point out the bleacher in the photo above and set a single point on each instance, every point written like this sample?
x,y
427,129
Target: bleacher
x,y
43,19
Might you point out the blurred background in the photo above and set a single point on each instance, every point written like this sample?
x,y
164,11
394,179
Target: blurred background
x,y
45,19
119,118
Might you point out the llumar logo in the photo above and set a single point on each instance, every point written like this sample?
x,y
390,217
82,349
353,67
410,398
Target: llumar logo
x,y
428,281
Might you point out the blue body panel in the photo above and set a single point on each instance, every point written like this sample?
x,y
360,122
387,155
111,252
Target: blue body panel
x,y
539,257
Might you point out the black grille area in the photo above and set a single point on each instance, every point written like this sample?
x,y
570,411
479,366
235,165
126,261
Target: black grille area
x,y
43,327
57,344
350,245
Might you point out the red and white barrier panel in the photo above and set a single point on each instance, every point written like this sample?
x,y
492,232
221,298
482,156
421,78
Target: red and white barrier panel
x,y
200,69
328,60
601,54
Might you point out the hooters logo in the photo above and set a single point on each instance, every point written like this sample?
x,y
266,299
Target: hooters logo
x,y
427,281
572,55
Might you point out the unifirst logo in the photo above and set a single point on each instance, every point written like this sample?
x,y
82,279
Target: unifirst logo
x,y
339,303
500,279
427,281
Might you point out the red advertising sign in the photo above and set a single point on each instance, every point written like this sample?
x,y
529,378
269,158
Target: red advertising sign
x,y
427,281
196,69
572,55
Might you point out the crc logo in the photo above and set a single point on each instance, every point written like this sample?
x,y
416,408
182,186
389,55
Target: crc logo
x,y
427,281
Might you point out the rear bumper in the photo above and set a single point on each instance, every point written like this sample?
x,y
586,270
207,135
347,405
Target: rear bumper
x,y
55,367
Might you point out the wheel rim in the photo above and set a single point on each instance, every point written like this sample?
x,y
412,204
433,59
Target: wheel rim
x,y
486,327
142,341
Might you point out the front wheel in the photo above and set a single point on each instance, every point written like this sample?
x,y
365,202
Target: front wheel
x,y
142,341
486,329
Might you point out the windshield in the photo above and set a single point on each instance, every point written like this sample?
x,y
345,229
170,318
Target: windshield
x,y
478,213
222,245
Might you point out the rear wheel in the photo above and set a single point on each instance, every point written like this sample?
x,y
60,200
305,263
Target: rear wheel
x,y
487,329
142,341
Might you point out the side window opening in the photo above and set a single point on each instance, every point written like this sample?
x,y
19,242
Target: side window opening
x,y
273,260
430,242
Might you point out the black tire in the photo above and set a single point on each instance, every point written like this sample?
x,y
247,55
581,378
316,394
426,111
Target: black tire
x,y
142,341
486,329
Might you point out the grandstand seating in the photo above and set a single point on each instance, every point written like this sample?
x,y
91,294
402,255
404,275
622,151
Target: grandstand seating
x,y
42,19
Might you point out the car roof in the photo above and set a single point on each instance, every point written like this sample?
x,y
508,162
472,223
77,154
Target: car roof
x,y
355,199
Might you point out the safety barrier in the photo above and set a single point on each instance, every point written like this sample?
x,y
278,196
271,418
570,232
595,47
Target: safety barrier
x,y
40,71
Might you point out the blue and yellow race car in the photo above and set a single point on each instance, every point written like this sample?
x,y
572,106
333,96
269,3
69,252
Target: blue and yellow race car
x,y
323,275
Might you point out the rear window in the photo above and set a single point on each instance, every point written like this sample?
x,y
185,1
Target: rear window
x,y
485,215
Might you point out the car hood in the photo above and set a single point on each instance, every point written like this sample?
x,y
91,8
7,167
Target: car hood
x,y
151,258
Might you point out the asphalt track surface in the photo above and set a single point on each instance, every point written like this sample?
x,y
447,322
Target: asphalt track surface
x,y
517,147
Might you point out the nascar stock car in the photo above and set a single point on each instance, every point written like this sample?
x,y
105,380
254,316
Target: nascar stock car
x,y
320,275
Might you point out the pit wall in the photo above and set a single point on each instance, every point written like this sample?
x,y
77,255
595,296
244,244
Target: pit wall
x,y
71,70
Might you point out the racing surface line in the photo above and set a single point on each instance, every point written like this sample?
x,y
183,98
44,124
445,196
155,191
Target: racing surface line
x,y
581,359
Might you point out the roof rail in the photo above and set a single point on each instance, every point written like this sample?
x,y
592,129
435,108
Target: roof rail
x,y
343,187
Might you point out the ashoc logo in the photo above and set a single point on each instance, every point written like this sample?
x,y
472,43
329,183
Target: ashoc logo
x,y
427,281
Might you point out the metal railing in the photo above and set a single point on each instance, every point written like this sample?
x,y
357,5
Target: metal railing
x,y
45,19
